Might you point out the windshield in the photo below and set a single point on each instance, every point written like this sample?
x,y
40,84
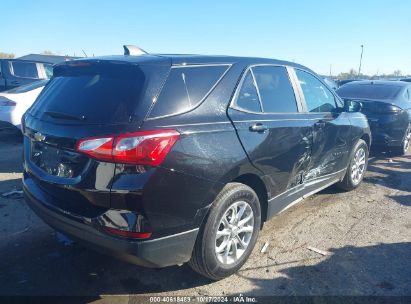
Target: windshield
x,y
369,91
28,87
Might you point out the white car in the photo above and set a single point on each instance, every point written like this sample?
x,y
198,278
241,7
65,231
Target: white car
x,y
15,102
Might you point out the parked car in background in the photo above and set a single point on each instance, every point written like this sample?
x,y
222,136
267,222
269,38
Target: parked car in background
x,y
15,102
387,105
331,83
406,79
15,72
166,159
345,81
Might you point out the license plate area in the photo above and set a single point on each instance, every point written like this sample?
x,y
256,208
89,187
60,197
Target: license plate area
x,y
55,161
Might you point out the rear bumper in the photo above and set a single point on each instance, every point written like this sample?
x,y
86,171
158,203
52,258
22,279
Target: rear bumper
x,y
388,130
380,138
161,252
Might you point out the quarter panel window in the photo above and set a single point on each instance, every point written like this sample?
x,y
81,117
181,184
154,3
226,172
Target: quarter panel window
x,y
247,98
318,97
185,88
276,92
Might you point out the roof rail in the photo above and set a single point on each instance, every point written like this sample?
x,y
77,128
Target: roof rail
x,y
133,50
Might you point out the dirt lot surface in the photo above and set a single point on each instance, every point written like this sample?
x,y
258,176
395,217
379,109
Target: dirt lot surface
x,y
367,234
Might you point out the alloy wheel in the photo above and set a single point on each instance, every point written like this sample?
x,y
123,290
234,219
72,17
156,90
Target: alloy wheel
x,y
407,139
358,166
234,232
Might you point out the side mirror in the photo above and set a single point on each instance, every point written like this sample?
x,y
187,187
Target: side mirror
x,y
352,106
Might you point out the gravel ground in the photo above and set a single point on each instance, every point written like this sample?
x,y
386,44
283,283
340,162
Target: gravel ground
x,y
365,233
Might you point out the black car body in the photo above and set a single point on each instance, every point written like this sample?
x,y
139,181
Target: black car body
x,y
387,105
199,125
15,72
345,81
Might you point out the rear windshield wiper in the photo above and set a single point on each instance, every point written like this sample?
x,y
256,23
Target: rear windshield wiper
x,y
64,115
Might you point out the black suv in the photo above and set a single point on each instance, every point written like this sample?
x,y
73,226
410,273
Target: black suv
x,y
167,159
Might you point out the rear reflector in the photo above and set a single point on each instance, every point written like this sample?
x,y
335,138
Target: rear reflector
x,y
140,148
128,234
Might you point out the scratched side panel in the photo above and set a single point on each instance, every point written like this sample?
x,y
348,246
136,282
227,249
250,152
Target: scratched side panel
x,y
331,144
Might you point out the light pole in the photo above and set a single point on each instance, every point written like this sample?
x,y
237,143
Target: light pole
x,y
359,69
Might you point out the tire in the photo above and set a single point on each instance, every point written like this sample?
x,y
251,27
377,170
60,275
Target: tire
x,y
205,259
405,144
352,180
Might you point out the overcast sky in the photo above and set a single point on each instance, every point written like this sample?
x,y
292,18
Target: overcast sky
x,y
315,33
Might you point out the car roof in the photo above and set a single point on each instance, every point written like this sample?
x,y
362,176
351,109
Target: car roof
x,y
23,60
381,82
187,59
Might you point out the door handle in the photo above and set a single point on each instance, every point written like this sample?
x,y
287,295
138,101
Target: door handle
x,y
258,127
319,124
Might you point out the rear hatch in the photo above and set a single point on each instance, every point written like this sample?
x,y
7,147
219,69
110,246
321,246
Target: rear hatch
x,y
375,109
84,99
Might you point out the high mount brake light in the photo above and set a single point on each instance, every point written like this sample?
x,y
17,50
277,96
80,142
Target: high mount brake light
x,y
140,148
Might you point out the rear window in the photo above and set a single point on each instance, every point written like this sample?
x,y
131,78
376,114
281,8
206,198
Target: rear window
x,y
369,91
185,88
94,93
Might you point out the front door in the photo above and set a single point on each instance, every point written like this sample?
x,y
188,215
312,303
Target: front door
x,y
331,128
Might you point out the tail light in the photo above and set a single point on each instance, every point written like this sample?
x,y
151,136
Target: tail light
x,y
140,148
387,109
5,102
381,108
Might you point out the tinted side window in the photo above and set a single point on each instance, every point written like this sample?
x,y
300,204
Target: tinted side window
x,y
317,97
247,98
276,92
185,88
24,69
48,70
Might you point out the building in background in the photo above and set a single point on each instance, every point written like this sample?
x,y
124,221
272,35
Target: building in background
x,y
47,58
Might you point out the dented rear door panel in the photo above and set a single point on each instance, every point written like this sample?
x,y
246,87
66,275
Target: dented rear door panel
x,y
281,152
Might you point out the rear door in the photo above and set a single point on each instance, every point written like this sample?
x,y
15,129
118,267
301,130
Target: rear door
x,y
266,115
331,141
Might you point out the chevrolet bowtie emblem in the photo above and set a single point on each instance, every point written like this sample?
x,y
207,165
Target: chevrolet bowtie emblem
x,y
39,137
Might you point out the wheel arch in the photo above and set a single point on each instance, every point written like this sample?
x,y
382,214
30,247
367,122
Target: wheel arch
x,y
366,137
258,185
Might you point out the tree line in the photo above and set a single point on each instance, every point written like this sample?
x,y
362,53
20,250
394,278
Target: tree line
x,y
353,74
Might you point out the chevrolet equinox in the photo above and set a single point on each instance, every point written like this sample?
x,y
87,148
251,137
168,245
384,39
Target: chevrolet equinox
x,y
166,159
